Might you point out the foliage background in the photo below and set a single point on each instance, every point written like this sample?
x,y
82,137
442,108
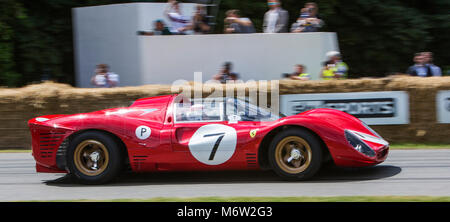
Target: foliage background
x,y
376,37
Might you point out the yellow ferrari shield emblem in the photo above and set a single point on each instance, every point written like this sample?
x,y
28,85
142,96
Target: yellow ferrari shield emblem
x,y
253,133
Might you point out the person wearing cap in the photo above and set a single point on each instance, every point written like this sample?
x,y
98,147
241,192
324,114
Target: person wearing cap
x,y
334,68
276,19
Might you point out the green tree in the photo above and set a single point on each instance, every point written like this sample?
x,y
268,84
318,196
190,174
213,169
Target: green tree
x,y
11,14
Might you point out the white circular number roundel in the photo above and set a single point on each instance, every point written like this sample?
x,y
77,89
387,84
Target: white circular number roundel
x,y
213,144
143,132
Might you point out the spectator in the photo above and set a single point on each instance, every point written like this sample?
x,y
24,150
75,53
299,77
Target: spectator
x,y
235,24
225,74
104,78
334,68
419,68
428,60
276,19
159,28
327,72
200,21
180,23
340,68
307,22
299,73
313,9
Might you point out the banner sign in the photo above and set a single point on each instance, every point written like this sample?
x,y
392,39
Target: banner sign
x,y
374,108
443,106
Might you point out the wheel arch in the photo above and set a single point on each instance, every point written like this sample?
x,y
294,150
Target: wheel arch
x,y
263,157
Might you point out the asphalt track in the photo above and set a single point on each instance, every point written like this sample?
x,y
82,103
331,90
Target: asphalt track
x,y
404,173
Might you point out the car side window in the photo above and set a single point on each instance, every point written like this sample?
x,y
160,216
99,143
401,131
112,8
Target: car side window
x,y
198,111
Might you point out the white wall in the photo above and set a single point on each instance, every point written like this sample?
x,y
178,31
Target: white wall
x,y
254,56
107,34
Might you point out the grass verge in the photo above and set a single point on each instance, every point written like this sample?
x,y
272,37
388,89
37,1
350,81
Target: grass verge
x,y
15,151
281,199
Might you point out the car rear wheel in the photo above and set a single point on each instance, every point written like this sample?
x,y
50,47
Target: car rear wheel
x,y
94,158
295,154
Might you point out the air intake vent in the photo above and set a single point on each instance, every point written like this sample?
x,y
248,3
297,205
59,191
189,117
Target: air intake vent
x,y
252,160
48,144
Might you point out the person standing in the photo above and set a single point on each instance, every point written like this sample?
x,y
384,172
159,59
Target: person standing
x,y
235,24
180,22
226,74
276,19
419,68
104,78
340,68
200,21
307,22
428,60
334,67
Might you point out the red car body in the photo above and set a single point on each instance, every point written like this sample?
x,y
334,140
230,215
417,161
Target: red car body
x,y
167,147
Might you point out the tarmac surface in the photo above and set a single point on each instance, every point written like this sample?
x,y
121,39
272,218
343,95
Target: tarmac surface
x,y
404,173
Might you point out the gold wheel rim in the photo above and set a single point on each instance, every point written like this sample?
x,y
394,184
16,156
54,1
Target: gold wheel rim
x,y
91,157
293,162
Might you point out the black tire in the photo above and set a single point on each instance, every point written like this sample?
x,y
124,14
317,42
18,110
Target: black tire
x,y
309,162
112,153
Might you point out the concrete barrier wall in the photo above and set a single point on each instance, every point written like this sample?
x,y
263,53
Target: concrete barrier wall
x,y
17,106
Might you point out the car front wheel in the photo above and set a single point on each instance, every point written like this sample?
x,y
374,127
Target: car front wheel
x,y
295,154
94,158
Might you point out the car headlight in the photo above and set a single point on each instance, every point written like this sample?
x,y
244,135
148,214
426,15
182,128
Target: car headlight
x,y
358,144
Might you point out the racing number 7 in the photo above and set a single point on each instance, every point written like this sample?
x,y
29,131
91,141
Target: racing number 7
x,y
216,145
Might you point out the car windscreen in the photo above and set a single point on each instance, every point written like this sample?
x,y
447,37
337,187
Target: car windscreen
x,y
246,111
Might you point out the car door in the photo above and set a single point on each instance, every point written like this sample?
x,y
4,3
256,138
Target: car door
x,y
201,133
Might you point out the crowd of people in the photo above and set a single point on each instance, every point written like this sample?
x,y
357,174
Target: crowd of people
x,y
276,20
333,69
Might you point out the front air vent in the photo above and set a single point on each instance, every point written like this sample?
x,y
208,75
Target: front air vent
x,y
48,143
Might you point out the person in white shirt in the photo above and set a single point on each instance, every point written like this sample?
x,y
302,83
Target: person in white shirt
x,y
276,19
104,78
179,22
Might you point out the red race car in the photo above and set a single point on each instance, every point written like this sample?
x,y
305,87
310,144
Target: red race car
x,y
174,133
